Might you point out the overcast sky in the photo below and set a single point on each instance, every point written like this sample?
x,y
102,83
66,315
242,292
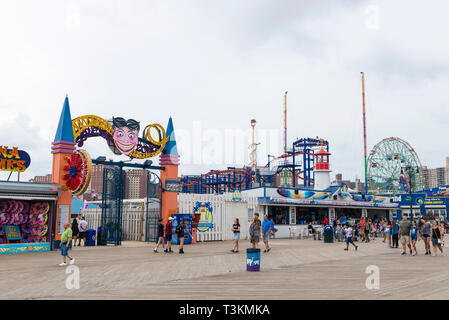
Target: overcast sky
x,y
215,65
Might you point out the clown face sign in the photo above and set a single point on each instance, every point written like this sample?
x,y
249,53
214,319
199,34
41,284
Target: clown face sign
x,y
126,135
121,135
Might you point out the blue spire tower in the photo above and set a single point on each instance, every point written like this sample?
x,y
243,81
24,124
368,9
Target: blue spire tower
x,y
169,159
64,141
62,147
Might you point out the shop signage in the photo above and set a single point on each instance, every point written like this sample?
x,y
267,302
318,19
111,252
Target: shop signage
x,y
12,233
63,217
14,159
236,195
121,135
24,247
434,201
205,211
324,203
172,185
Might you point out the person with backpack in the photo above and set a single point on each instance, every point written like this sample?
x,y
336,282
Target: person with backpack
x,y
181,229
255,229
168,235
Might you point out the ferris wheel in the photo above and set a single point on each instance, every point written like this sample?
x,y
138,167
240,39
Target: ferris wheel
x,y
388,165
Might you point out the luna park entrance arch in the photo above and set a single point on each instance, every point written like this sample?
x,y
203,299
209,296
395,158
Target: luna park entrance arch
x,y
122,138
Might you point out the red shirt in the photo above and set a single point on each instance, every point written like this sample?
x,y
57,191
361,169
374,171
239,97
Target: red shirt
x,y
168,228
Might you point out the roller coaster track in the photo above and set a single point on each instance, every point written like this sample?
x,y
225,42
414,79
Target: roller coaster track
x,y
197,180
284,156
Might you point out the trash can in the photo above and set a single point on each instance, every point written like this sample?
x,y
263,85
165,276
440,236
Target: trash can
x,y
328,234
101,237
252,259
90,237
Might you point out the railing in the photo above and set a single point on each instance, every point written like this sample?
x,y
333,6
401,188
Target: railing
x,y
224,211
133,222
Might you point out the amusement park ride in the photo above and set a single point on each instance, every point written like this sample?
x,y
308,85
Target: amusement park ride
x,y
295,168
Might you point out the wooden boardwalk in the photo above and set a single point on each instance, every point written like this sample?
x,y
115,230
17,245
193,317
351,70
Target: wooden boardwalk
x,y
294,269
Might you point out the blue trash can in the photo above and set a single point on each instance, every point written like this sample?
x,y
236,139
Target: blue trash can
x,y
328,234
252,259
90,237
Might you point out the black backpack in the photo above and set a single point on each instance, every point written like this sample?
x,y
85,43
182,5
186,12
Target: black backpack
x,y
178,228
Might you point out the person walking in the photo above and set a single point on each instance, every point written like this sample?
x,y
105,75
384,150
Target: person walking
x,y
168,235
236,230
388,233
414,236
181,229
372,229
255,231
395,234
273,229
366,230
159,235
338,232
266,229
362,228
404,235
66,238
426,231
75,229
82,230
348,234
437,238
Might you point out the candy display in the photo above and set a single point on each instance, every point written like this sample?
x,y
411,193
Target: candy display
x,y
31,217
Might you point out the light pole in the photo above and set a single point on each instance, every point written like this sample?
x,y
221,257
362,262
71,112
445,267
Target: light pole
x,y
411,173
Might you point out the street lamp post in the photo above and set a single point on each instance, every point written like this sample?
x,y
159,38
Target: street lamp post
x,y
411,173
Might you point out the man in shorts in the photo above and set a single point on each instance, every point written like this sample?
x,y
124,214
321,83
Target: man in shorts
x,y
66,237
404,235
266,228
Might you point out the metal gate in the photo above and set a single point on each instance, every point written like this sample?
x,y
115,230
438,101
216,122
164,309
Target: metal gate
x,y
153,207
111,212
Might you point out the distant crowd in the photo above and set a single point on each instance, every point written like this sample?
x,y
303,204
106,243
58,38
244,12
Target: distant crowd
x,y
407,232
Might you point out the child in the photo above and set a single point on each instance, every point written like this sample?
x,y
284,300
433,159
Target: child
x,y
348,234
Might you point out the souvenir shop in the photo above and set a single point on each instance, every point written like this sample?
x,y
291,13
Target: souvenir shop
x,y
27,212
